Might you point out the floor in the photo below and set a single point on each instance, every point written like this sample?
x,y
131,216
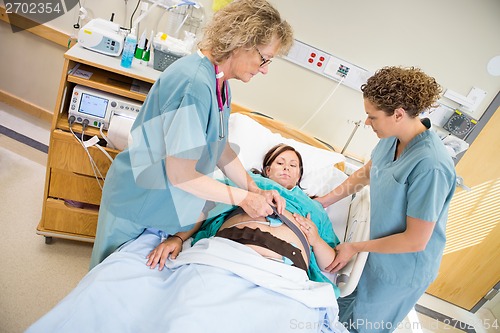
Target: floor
x,y
35,276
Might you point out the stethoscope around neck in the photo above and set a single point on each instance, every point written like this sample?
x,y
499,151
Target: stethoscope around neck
x,y
218,76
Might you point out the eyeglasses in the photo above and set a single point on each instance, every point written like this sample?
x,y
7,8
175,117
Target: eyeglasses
x,y
265,61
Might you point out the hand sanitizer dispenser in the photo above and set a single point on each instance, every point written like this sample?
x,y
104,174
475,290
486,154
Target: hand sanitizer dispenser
x,y
129,49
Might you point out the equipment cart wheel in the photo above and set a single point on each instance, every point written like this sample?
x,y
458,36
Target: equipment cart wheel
x,y
48,240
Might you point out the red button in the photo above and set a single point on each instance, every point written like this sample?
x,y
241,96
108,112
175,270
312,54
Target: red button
x,y
311,60
313,54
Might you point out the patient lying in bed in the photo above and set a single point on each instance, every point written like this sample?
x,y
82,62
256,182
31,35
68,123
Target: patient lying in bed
x,y
206,287
284,238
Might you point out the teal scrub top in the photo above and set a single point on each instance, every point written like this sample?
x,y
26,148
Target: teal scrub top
x,y
420,184
180,118
297,201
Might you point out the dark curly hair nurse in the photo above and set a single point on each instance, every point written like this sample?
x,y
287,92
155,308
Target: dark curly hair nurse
x,y
412,180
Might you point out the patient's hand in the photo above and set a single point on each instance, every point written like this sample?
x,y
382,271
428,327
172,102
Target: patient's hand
x,y
170,246
308,228
323,252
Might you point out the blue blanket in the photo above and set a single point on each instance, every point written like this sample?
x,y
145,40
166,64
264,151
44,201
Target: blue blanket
x,y
215,286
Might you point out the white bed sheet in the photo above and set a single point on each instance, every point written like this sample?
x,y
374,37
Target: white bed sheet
x,y
215,286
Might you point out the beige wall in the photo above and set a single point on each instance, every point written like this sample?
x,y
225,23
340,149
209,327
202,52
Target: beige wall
x,y
450,39
30,67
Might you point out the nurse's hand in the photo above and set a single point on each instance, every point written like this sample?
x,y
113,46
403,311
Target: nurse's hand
x,y
258,204
344,253
273,198
169,247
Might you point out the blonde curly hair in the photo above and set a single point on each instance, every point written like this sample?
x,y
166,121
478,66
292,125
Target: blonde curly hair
x,y
396,87
245,24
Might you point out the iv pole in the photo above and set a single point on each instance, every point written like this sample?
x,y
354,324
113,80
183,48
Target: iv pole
x,y
352,134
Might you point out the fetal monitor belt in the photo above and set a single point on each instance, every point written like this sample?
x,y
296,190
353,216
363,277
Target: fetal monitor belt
x,y
283,219
265,239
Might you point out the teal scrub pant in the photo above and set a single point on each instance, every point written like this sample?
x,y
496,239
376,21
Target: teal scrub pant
x,y
112,232
377,306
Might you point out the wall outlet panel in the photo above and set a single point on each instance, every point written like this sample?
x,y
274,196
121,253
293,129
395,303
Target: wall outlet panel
x,y
308,57
325,64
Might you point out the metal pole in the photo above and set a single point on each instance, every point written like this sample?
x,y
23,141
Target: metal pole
x,y
352,134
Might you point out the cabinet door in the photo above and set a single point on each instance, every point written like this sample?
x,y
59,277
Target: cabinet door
x,y
471,263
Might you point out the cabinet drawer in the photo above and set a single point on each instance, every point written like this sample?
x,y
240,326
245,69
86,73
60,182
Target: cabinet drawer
x,y
61,218
66,153
68,185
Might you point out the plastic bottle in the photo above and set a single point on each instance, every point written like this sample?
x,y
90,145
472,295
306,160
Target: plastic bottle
x,y
147,53
129,49
141,46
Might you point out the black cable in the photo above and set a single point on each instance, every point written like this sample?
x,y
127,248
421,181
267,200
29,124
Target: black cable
x,y
133,13
77,24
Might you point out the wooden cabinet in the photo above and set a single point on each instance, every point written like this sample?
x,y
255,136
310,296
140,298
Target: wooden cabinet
x,y
72,190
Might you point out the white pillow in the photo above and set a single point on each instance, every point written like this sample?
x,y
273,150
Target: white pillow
x,y
252,141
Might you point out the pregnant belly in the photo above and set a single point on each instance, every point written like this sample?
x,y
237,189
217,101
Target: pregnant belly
x,y
282,232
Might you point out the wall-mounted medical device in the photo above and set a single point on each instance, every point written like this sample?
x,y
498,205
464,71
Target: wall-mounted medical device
x,y
460,124
96,108
101,36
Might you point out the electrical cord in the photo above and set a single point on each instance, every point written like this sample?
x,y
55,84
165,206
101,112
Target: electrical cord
x,y
104,152
93,164
323,104
97,173
133,13
94,141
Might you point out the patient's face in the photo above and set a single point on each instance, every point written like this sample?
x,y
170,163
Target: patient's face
x,y
285,169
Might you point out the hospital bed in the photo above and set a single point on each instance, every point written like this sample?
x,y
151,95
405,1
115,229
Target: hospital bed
x,y
218,285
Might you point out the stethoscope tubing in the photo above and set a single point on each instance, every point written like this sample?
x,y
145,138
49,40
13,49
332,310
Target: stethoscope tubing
x,y
219,102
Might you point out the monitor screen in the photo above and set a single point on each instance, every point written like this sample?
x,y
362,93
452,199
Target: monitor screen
x,y
93,105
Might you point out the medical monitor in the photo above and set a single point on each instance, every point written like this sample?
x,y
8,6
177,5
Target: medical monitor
x,y
96,107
